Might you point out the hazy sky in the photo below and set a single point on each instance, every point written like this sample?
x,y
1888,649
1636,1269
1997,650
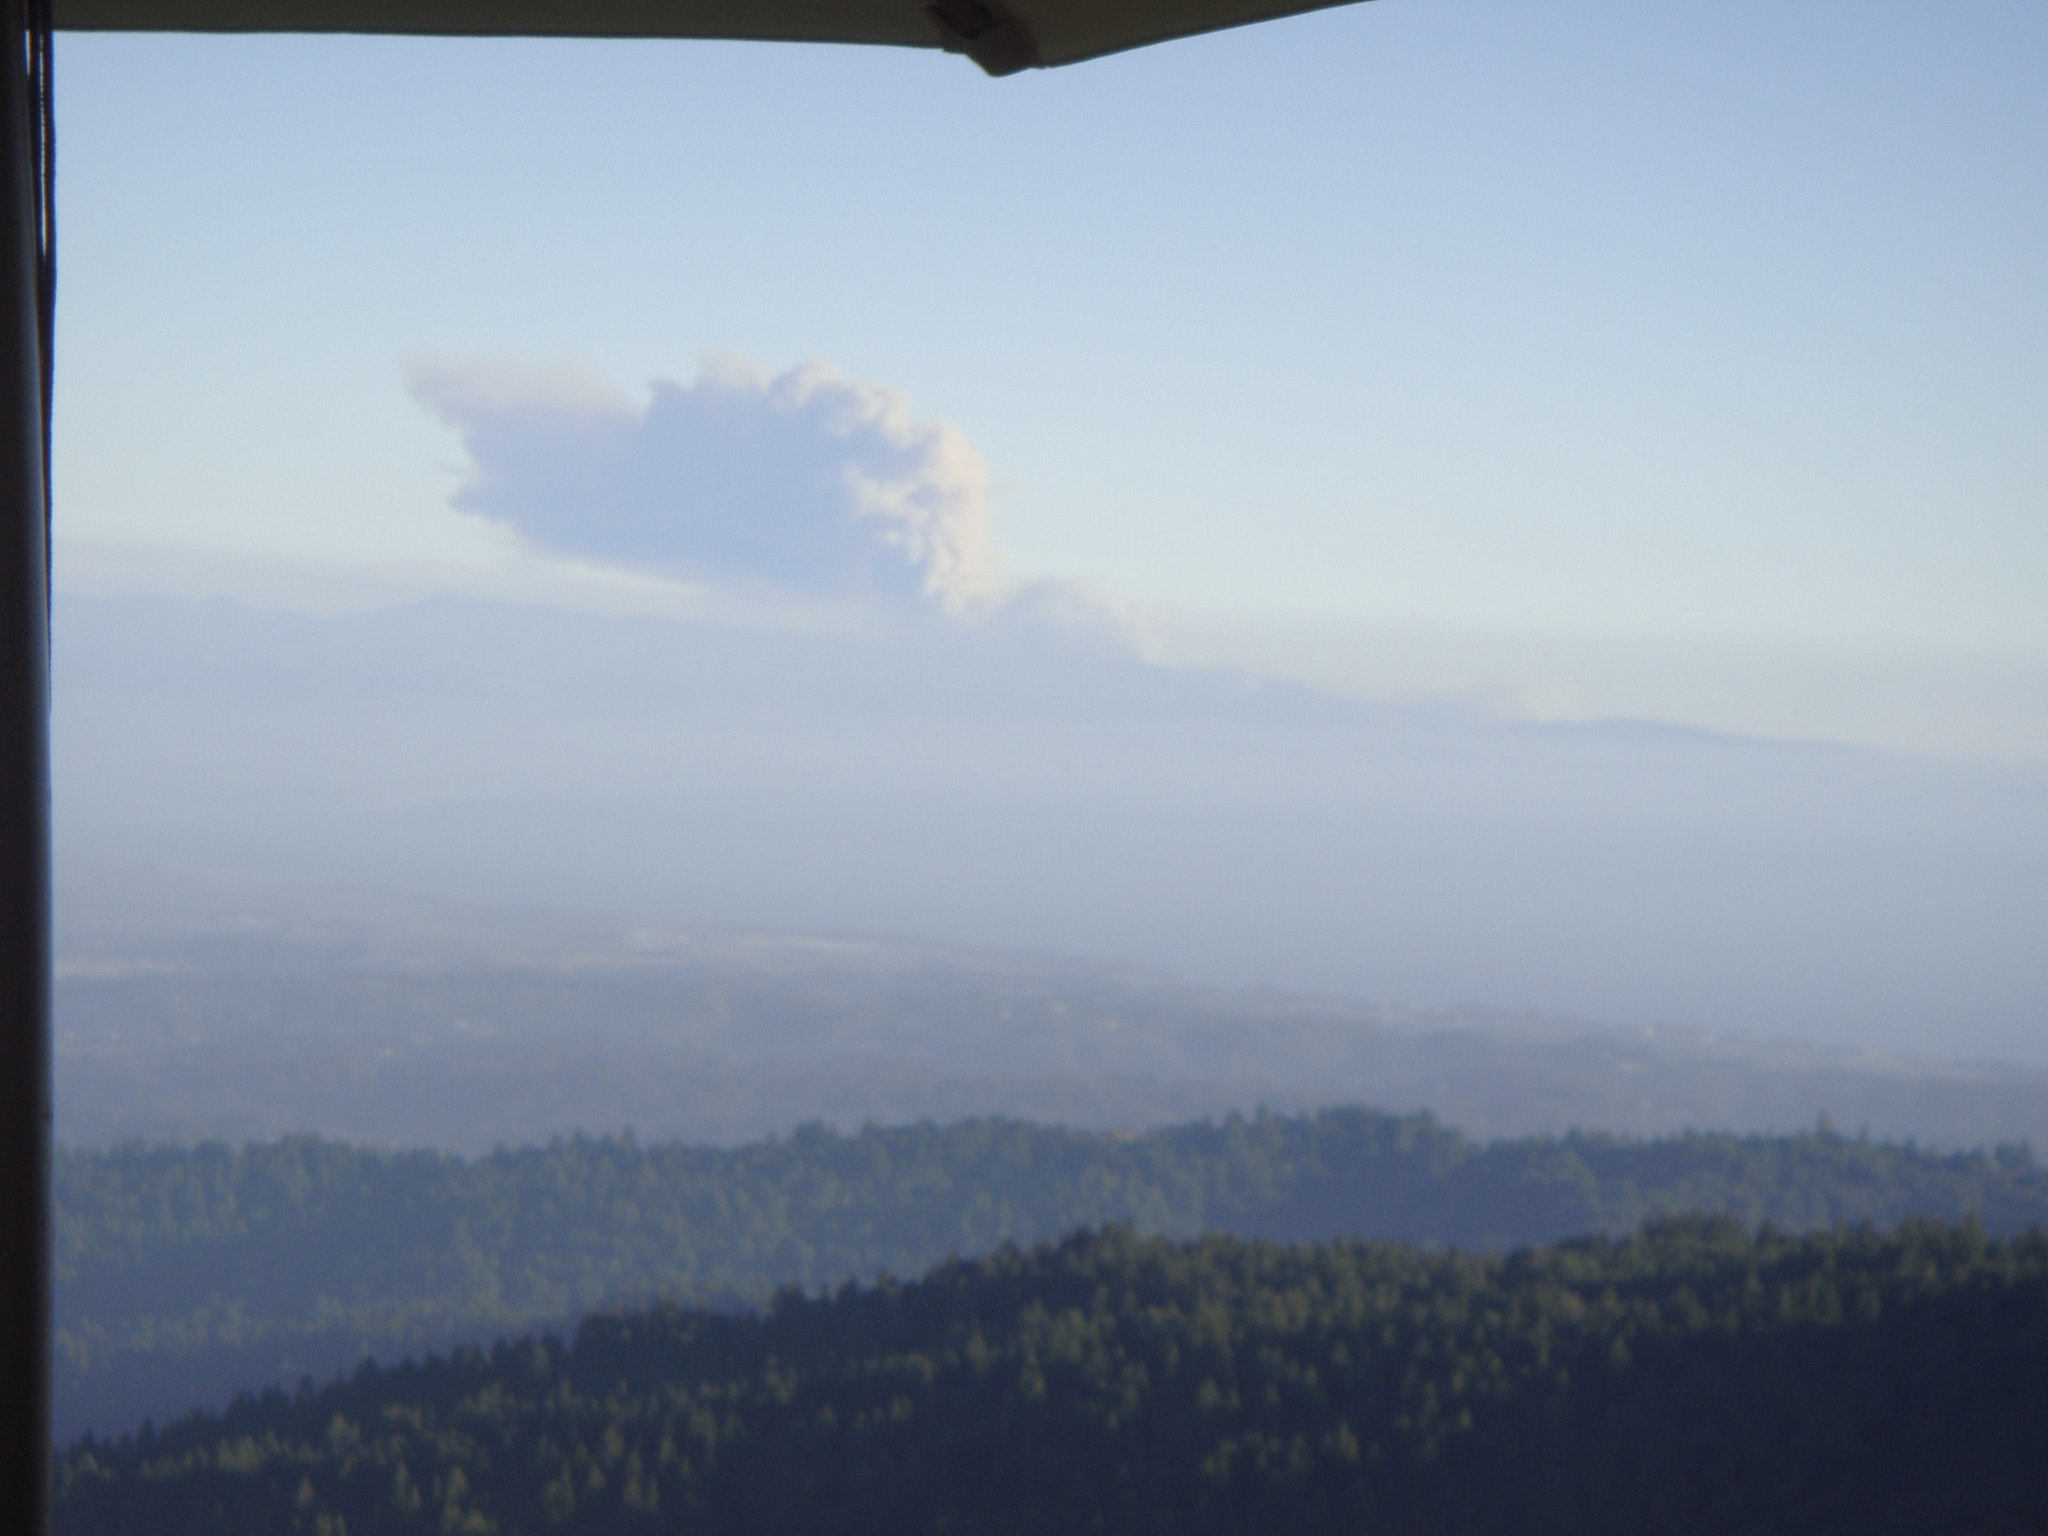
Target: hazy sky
x,y
1579,358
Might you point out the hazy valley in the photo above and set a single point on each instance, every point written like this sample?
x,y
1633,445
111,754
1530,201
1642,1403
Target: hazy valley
x,y
191,1009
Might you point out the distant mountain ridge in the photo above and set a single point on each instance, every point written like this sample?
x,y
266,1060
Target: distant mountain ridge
x,y
1031,787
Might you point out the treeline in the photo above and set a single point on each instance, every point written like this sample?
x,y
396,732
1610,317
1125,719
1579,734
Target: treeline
x,y
187,1274
1697,1378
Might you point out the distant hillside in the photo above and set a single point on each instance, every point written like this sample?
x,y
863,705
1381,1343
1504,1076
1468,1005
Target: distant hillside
x,y
254,1011
185,1275
1694,1380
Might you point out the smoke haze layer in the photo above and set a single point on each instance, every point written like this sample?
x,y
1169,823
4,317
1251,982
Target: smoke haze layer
x,y
1017,784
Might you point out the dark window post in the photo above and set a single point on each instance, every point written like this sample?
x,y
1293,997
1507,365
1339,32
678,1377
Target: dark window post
x,y
24,839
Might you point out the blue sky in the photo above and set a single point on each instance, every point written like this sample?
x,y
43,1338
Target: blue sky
x,y
1574,360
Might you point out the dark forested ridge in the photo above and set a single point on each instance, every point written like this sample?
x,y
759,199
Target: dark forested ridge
x,y
1696,1378
185,1275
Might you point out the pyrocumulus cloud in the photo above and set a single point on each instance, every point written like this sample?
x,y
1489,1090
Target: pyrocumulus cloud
x,y
806,480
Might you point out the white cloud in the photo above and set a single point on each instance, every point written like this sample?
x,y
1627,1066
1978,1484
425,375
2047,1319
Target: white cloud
x,y
805,481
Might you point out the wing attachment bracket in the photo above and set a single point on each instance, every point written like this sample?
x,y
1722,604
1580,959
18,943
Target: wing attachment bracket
x,y
999,42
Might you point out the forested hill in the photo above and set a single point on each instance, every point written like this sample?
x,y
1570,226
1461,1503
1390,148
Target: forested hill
x,y
185,1275
1696,1379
